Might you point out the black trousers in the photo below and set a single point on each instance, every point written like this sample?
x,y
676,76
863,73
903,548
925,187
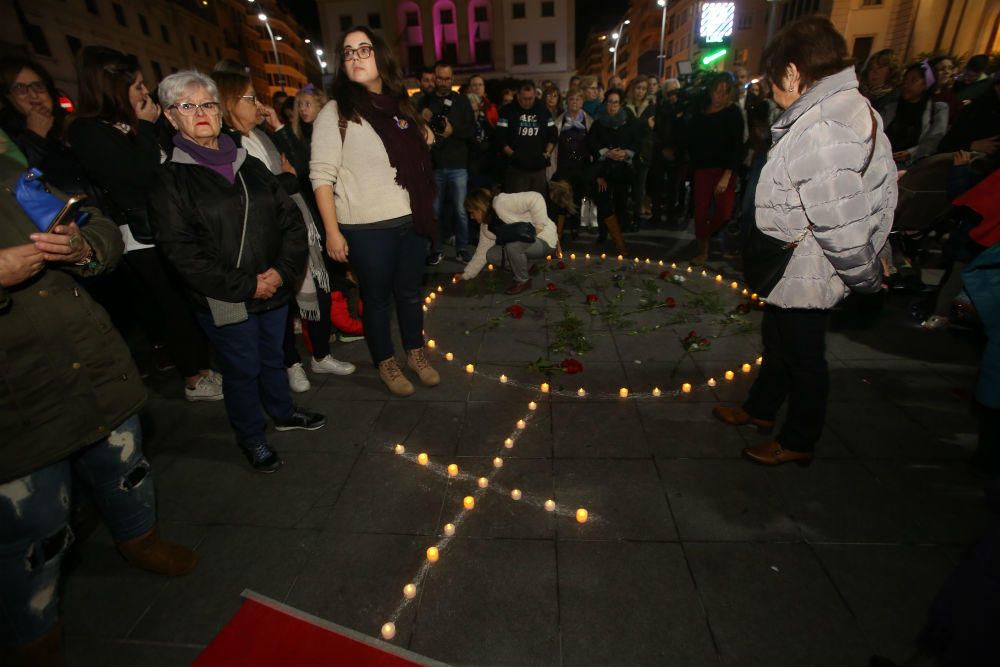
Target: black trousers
x,y
157,284
795,368
319,331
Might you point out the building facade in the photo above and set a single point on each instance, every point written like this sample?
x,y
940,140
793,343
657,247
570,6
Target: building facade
x,y
165,36
522,39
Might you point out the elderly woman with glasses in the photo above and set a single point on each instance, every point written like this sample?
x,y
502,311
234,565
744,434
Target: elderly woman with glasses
x,y
239,242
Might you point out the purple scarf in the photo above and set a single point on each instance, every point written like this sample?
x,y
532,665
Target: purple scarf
x,y
410,155
220,161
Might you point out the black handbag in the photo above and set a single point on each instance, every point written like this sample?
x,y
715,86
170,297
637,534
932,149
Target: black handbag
x,y
523,232
765,258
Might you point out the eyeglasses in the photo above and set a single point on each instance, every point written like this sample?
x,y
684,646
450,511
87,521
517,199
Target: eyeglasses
x,y
252,99
188,109
22,89
362,53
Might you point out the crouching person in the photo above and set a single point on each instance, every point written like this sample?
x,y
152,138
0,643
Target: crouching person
x,y
69,394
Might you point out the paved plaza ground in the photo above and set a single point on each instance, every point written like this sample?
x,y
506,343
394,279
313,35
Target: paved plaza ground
x,y
694,556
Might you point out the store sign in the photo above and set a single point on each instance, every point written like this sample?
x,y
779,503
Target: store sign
x,y
716,23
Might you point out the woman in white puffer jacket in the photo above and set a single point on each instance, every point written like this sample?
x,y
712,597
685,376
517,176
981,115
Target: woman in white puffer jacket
x,y
829,185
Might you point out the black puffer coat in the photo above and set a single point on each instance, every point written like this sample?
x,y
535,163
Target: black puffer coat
x,y
197,217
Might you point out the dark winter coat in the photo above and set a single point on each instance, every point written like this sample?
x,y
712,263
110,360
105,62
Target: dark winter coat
x,y
197,217
66,376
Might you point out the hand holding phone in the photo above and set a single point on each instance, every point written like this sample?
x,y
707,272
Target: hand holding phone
x,y
63,244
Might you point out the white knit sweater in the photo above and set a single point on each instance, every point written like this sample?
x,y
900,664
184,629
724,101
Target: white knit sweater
x,y
364,183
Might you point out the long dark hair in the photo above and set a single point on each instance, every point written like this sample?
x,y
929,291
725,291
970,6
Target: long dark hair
x,y
9,69
351,97
105,77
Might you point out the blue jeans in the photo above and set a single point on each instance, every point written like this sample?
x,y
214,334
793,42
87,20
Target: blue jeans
x,y
452,186
389,265
35,531
253,371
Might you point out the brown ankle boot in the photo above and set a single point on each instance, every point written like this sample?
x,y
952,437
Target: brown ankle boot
x,y
392,375
739,417
154,554
416,361
615,232
46,651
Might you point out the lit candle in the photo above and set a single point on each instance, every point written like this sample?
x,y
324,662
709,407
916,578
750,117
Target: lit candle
x,y
689,269
745,291
489,267
469,502
550,505
424,308
718,278
660,262
503,379
399,448
673,265
581,515
587,256
647,260
433,295
548,258
440,289
686,388
521,424
604,255
427,300
623,392
515,494
711,382
656,392
746,368
452,470
432,343
422,458
449,356
432,554
498,462
760,360
572,255
409,591
581,392
449,529
620,258
734,285
469,368
545,387
454,279
532,405
483,482
704,272
730,375
754,296
508,443
388,631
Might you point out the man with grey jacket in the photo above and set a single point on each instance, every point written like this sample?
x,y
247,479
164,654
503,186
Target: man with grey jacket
x,y
829,188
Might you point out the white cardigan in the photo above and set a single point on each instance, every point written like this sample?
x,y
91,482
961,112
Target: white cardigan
x,y
510,208
364,183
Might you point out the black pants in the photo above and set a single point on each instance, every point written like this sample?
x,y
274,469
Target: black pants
x,y
185,341
519,180
794,367
319,331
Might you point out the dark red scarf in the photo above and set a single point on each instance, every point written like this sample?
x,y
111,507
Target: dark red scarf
x,y
410,155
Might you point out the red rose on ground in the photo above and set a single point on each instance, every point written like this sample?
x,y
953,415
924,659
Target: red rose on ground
x,y
591,298
551,287
664,274
704,342
671,303
515,310
571,366
691,334
561,265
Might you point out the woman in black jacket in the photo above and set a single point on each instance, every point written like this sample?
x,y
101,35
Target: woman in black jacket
x,y
116,141
239,242
612,144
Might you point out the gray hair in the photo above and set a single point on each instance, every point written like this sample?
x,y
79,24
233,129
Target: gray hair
x,y
672,84
177,85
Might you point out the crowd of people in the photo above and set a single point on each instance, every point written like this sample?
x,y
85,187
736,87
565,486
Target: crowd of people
x,y
224,226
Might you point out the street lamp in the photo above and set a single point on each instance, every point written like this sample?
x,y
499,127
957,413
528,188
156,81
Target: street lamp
x,y
617,36
663,33
262,17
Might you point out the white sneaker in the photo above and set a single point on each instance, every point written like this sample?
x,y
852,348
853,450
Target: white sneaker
x,y
297,380
205,389
330,365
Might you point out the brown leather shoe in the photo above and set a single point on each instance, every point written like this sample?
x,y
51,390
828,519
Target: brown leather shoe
x,y
518,286
739,417
771,453
417,362
154,554
392,375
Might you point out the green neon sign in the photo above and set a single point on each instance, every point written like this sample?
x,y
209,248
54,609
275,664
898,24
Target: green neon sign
x,y
712,57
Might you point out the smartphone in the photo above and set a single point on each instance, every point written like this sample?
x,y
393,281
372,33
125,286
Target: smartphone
x,y
68,213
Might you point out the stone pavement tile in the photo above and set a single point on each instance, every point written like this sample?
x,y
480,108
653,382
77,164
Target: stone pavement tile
x,y
604,347
348,424
624,497
658,346
389,494
842,501
87,652
504,346
676,430
881,431
598,429
102,596
452,338
889,589
212,492
730,501
522,385
194,608
488,424
432,427
630,603
668,377
944,501
729,392
851,382
356,580
772,604
491,602
496,514
600,379
950,424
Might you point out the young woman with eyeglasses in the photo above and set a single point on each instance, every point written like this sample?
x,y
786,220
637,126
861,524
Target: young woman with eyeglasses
x,y
372,177
115,138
